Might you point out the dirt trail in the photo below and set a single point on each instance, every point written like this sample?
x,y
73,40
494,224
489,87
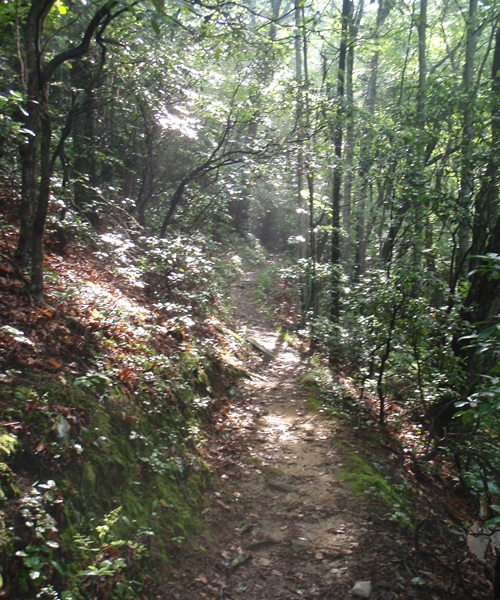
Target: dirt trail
x,y
282,524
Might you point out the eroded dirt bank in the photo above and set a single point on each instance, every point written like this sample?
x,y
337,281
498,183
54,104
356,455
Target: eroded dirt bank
x,y
283,524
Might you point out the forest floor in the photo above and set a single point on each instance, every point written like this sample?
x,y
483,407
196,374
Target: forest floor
x,y
302,510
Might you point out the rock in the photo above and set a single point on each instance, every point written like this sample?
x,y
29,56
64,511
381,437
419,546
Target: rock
x,y
362,589
258,345
62,430
478,540
280,487
239,560
245,528
262,545
300,544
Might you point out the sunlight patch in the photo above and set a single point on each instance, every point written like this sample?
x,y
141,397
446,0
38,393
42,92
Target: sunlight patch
x,y
185,125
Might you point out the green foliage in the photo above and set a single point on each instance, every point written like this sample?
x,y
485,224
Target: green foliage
x,y
484,342
39,556
142,460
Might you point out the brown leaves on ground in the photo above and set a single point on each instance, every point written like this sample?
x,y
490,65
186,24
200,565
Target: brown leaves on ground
x,y
88,311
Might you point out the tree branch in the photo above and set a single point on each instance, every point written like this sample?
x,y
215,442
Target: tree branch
x,y
99,22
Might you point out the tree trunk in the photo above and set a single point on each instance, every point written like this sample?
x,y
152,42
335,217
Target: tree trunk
x,y
466,178
303,238
29,150
84,164
365,163
486,202
337,173
350,141
147,189
42,202
482,303
35,198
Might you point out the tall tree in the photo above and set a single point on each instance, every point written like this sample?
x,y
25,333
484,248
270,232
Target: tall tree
x,y
338,135
467,174
36,156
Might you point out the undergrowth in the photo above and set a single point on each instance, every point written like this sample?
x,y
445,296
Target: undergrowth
x,y
107,391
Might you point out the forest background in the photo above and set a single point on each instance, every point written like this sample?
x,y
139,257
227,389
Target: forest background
x,y
360,141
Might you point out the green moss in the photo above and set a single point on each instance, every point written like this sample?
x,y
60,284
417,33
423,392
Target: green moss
x,y
252,460
8,443
314,403
289,337
272,471
361,478
137,453
310,380
88,485
364,480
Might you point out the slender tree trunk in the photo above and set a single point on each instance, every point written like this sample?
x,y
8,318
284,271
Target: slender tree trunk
x,y
84,164
365,163
303,238
42,201
276,7
36,197
422,65
349,141
337,173
466,178
147,189
313,256
29,150
417,173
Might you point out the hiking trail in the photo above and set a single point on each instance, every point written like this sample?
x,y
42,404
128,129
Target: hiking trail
x,y
282,523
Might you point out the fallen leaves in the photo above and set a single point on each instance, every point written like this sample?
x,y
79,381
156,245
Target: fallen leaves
x,y
53,363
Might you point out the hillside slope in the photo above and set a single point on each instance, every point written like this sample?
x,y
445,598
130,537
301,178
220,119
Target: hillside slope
x,y
106,391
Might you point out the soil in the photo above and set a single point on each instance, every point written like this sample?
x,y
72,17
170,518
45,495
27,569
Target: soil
x,y
283,523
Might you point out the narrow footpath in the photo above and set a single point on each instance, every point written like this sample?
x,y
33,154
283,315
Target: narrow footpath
x,y
283,525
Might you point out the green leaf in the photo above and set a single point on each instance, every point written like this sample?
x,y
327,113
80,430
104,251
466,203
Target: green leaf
x,y
58,566
61,8
486,332
155,27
